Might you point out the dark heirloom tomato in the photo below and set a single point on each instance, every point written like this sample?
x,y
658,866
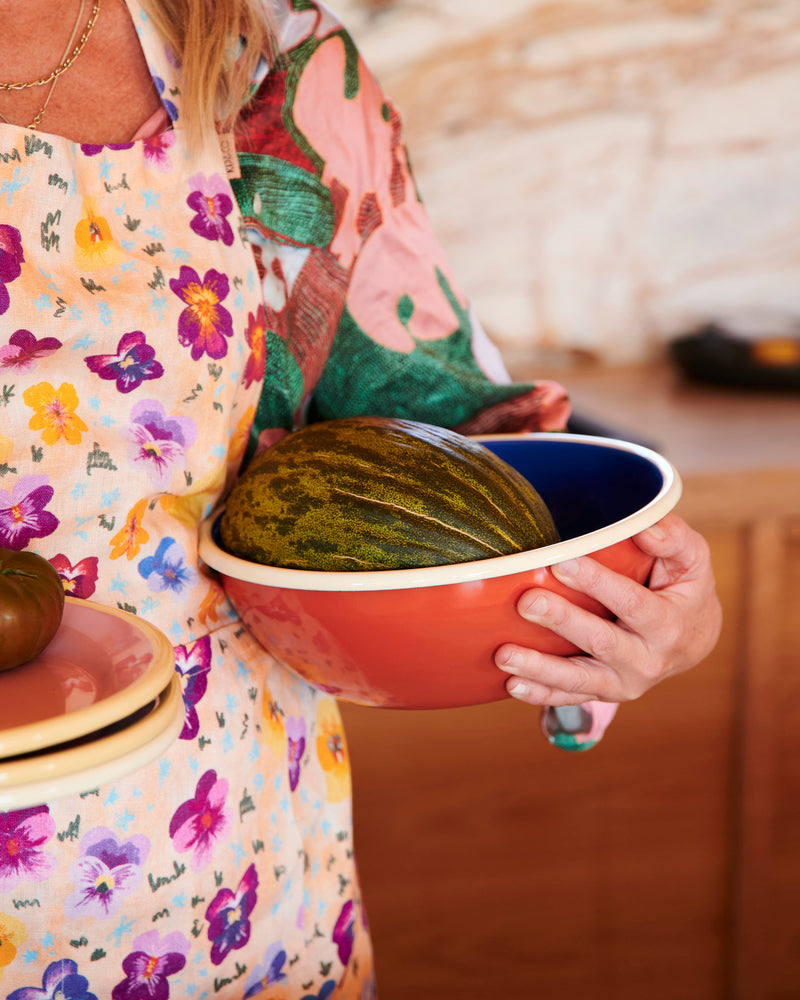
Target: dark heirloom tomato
x,y
31,606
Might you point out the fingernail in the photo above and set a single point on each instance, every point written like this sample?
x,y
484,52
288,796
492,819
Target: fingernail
x,y
536,608
508,659
656,532
567,568
517,688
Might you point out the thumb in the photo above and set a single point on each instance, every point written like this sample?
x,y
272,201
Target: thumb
x,y
681,552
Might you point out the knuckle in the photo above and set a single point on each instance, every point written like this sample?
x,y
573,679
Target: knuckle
x,y
701,562
714,622
651,672
562,699
559,612
581,679
633,691
591,573
698,550
703,546
605,643
552,697
633,602
673,636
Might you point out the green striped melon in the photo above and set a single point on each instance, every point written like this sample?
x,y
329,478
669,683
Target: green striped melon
x,y
371,493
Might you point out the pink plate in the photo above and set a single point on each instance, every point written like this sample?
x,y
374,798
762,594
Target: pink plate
x,y
83,764
102,665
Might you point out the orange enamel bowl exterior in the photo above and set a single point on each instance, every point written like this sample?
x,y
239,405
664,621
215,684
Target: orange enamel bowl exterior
x,y
426,638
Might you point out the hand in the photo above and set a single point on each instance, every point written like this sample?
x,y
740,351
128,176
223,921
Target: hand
x,y
659,631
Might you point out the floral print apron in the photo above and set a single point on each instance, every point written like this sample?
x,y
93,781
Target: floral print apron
x,y
132,351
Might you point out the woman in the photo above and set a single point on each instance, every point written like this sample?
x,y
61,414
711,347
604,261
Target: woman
x,y
150,340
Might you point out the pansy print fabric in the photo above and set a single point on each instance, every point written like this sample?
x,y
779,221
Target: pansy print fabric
x,y
159,323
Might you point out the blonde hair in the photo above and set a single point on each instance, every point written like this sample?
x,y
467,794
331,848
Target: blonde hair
x,y
218,44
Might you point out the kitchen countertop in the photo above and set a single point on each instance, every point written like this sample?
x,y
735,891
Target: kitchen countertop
x,y
702,429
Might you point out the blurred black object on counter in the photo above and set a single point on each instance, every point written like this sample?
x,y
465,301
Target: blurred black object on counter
x,y
717,356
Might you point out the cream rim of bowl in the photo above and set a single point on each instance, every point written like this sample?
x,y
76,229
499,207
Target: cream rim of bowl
x,y
496,566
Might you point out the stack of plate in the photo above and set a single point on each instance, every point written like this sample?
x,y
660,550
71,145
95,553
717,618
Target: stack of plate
x,y
102,700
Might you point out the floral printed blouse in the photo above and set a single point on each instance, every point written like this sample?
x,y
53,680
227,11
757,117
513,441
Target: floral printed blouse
x,y
159,321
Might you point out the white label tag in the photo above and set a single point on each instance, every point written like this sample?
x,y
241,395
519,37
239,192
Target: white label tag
x,y
227,145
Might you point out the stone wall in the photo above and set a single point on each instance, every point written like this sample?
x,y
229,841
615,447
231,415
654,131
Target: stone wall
x,y
603,174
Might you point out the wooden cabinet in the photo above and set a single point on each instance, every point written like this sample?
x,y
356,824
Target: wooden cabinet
x,y
663,863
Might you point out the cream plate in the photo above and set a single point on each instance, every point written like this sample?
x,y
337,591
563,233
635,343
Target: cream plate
x,y
102,665
91,761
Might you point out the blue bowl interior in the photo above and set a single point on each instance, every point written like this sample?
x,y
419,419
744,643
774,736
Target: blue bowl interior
x,y
586,485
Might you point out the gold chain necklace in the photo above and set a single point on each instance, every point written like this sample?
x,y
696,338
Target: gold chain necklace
x,y
68,59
